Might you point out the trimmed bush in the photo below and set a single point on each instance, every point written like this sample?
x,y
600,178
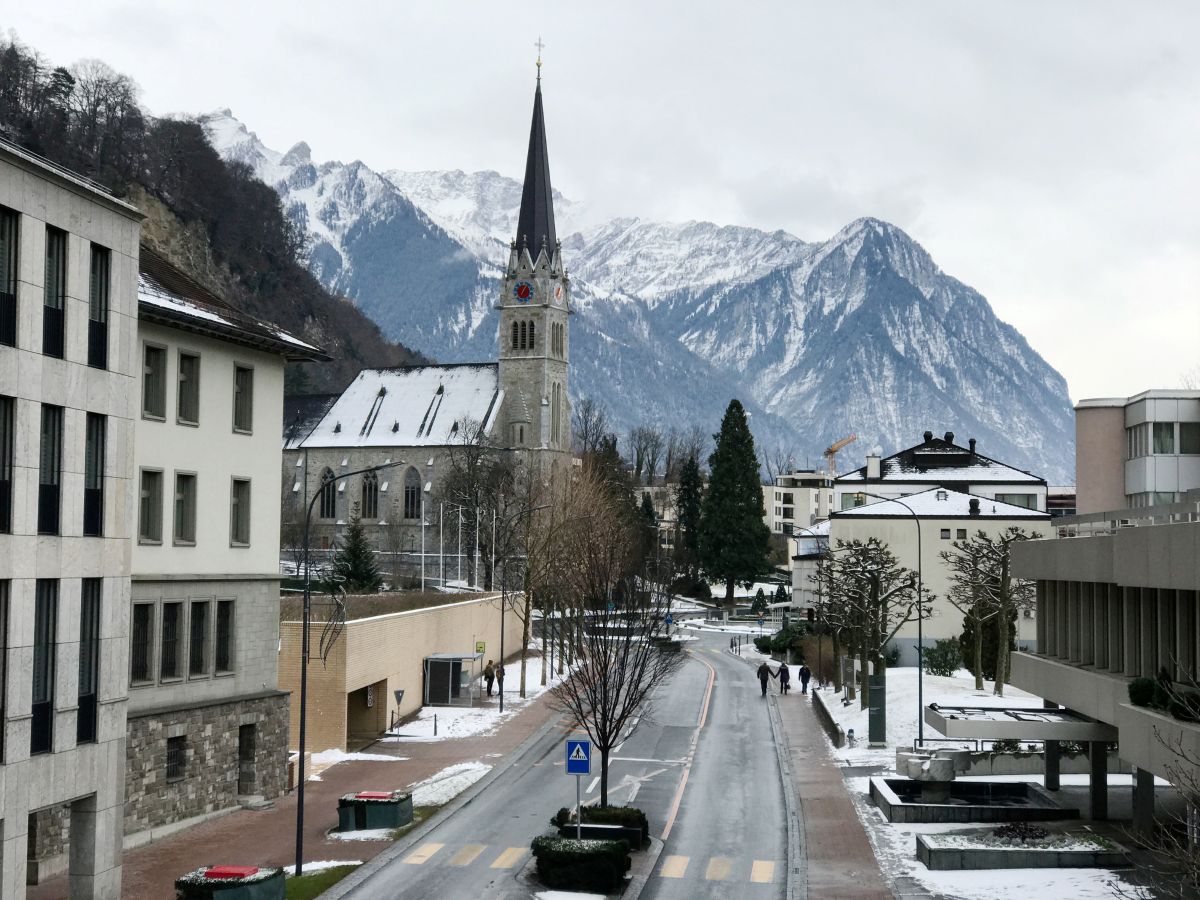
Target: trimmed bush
x,y
627,816
581,865
763,644
1141,691
943,658
1006,745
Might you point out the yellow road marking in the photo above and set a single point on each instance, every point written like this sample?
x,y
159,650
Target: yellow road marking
x,y
718,869
422,854
508,858
466,855
762,872
674,867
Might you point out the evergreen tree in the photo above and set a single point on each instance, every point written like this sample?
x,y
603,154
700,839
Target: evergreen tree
x,y
735,542
781,594
354,561
688,498
759,606
648,520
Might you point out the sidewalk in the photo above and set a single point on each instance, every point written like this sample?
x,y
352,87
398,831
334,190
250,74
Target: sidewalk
x,y
268,837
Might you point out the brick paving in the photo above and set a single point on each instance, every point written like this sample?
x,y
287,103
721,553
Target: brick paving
x,y
268,837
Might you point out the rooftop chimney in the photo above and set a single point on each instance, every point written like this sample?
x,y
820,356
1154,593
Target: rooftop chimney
x,y
949,437
928,436
974,506
873,465
971,444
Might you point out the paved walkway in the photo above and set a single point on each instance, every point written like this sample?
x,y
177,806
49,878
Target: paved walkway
x,y
268,837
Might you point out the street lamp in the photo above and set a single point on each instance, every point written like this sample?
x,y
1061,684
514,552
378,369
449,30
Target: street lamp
x,y
820,644
304,650
920,618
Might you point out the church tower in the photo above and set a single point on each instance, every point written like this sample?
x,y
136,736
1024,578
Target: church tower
x,y
534,307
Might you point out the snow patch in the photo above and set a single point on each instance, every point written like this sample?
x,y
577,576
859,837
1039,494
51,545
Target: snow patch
x,y
447,784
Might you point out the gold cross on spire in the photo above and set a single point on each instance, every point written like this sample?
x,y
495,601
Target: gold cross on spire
x,y
540,46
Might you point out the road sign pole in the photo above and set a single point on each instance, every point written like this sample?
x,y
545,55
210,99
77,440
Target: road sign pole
x,y
578,810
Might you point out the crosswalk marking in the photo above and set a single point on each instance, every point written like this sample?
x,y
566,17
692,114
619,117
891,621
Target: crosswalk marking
x,y
508,858
762,872
718,869
422,854
467,854
674,867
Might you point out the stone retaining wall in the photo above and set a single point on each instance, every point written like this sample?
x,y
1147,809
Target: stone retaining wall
x,y
832,728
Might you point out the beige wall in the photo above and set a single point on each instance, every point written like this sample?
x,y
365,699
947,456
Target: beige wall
x,y
387,649
1099,458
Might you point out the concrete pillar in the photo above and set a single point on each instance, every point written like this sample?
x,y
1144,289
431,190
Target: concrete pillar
x,y
1116,630
13,854
1087,625
1098,780
1131,614
1143,802
95,867
1052,757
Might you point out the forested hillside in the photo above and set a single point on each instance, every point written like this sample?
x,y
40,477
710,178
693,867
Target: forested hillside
x,y
213,218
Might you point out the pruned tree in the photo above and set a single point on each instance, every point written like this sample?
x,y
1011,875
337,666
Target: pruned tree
x,y
969,595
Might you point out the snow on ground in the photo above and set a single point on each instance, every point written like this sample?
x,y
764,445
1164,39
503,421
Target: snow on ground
x,y
485,718
566,895
327,758
731,629
317,866
447,784
361,834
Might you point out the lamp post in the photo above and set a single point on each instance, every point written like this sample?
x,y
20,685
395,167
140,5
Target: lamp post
x,y
920,618
820,644
305,628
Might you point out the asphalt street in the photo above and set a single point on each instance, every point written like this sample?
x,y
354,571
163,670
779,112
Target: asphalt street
x,y
700,762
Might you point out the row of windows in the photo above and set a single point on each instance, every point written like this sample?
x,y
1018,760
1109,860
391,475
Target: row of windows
x,y
174,639
558,340
1162,438
44,670
369,490
524,334
183,531
50,465
852,500
54,291
187,394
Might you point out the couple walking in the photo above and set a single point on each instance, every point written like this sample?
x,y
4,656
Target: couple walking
x,y
785,677
493,673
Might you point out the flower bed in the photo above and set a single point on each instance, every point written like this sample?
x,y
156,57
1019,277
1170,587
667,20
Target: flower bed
x,y
231,883
986,850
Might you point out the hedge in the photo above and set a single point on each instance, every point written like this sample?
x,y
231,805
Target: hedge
x,y
628,816
581,865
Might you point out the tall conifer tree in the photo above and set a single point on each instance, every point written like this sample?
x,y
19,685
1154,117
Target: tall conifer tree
x,y
734,539
688,498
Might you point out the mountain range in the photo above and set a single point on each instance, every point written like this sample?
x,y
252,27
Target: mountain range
x,y
861,333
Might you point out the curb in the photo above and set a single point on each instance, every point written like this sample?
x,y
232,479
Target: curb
x,y
637,883
400,847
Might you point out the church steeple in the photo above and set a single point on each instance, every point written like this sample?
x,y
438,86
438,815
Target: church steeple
x,y
535,225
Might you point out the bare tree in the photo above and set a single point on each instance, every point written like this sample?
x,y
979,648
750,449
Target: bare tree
x,y
672,458
970,594
1003,591
589,426
1190,380
654,452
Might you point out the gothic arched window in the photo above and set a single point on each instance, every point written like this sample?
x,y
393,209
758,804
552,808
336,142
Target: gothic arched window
x,y
412,494
328,495
532,326
514,336
370,496
524,335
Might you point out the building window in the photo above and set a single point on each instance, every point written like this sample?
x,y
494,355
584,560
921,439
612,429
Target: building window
x,y
198,634
1189,437
8,409
1029,501
50,470
187,407
154,382
328,495
224,644
98,298
89,660
239,513
243,399
185,508
141,643
176,757
169,657
45,618
532,335
412,494
961,534
95,437
150,507
515,345
8,277
370,496
54,312
945,534
1164,437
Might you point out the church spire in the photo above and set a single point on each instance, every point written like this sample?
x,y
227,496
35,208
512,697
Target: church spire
x,y
535,225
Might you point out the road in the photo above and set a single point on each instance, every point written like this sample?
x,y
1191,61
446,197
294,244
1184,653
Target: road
x,y
701,763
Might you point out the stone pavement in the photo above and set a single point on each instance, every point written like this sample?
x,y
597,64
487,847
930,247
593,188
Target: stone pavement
x,y
268,837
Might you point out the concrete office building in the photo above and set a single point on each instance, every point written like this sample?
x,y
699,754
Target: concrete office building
x,y
68,362
797,500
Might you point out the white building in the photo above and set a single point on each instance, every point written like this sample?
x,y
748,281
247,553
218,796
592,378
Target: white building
x,y
68,307
931,520
799,499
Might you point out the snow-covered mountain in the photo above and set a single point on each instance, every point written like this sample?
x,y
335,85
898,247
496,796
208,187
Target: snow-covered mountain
x,y
860,333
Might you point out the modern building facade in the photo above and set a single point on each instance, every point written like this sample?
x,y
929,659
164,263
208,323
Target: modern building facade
x,y
68,362
798,499
1139,451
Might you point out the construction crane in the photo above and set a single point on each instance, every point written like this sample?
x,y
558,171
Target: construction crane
x,y
830,453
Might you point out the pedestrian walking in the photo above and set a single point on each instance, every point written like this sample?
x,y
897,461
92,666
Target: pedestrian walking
x,y
805,675
489,676
785,678
764,673
500,678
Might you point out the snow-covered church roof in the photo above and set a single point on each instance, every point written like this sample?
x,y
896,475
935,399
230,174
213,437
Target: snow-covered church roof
x,y
410,406
939,503
941,461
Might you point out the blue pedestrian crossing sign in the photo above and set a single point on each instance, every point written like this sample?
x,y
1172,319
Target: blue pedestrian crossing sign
x,y
579,757
669,619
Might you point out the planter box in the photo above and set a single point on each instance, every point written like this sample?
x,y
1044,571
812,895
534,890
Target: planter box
x,y
374,809
941,857
231,883
903,800
598,832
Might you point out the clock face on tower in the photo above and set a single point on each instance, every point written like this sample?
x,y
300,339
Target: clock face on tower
x,y
558,293
523,291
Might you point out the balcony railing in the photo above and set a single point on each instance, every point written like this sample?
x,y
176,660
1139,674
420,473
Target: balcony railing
x,y
93,512
8,318
48,509
86,720
41,738
1111,521
53,331
97,344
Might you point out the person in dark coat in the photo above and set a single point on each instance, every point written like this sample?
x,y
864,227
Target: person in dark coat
x,y
785,678
805,675
489,676
764,673
500,677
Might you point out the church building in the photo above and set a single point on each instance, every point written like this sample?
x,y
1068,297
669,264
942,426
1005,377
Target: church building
x,y
409,417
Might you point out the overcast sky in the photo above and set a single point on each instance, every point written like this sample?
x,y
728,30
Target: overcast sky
x,y
1044,153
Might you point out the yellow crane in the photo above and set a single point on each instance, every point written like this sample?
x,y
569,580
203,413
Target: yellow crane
x,y
830,453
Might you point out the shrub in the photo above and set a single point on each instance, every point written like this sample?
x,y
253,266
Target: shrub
x,y
943,658
1162,696
581,865
1141,691
891,659
1006,745
1020,831
763,643
628,816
